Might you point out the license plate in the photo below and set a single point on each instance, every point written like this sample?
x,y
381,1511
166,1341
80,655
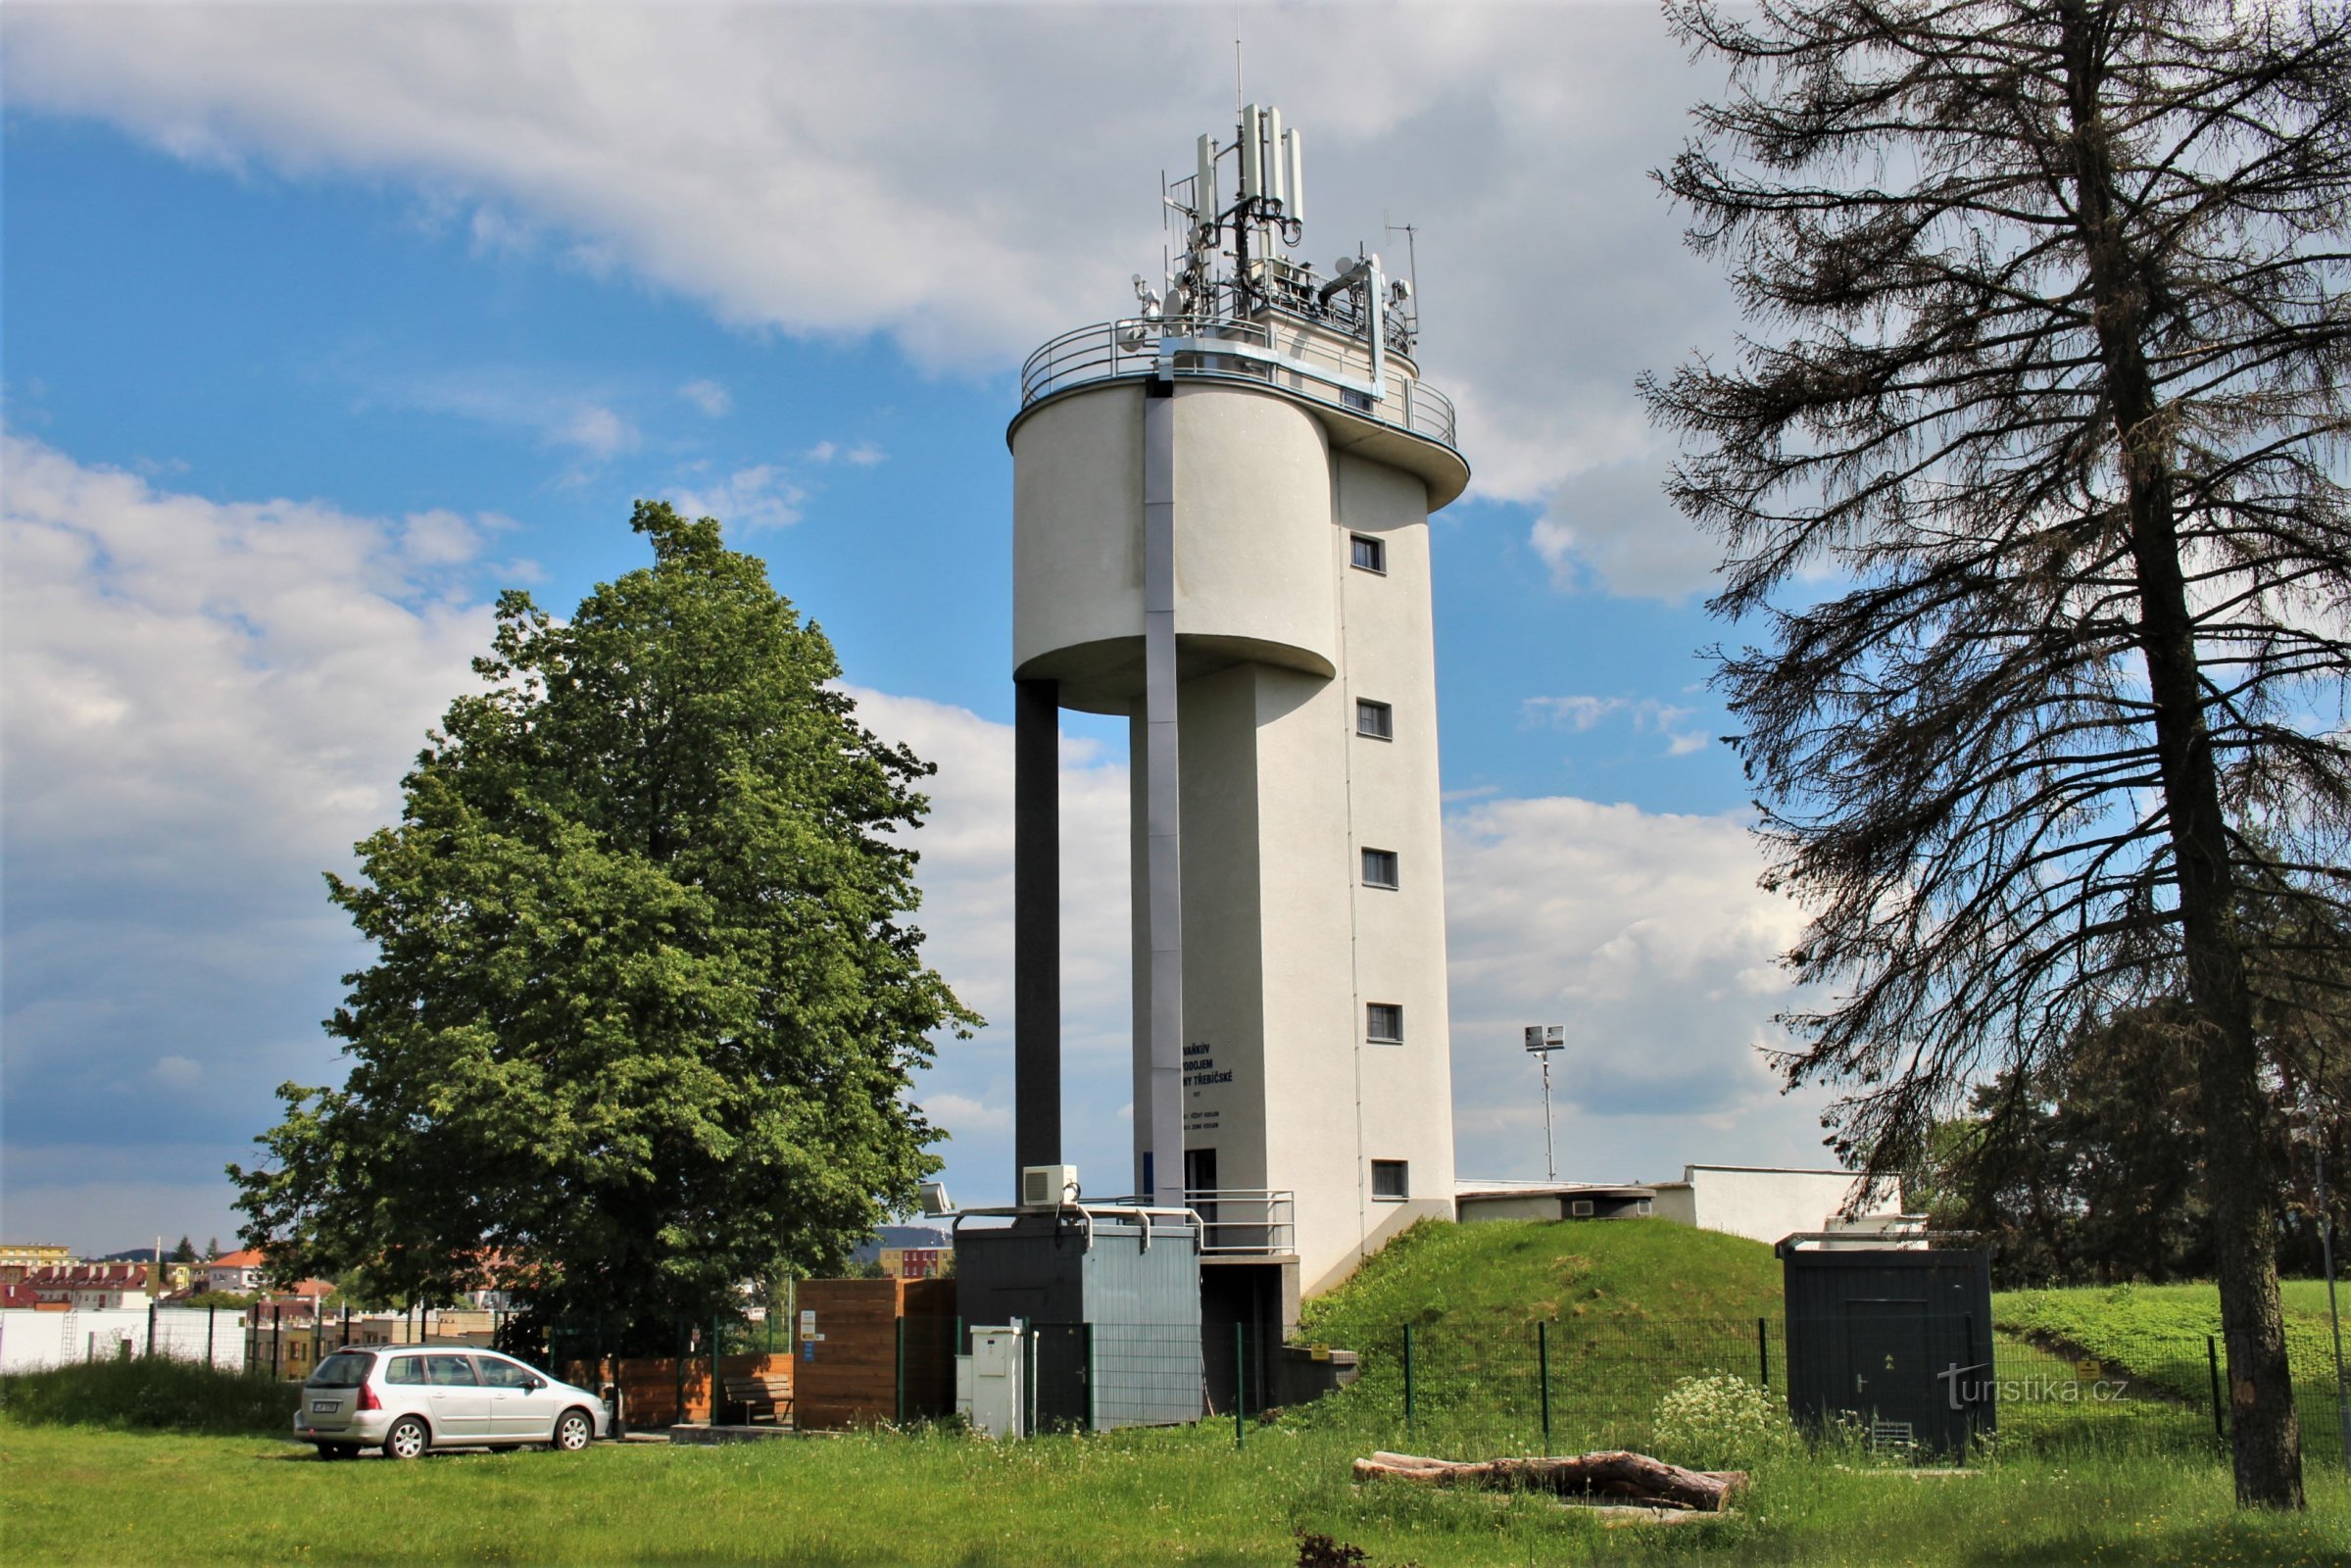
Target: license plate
x,y
325,1406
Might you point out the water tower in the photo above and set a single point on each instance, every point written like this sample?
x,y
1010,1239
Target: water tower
x,y
1221,532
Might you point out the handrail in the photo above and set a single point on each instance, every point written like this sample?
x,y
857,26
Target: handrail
x,y
1299,360
1245,1221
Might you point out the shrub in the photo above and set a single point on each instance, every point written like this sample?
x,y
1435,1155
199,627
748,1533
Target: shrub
x,y
152,1394
1720,1422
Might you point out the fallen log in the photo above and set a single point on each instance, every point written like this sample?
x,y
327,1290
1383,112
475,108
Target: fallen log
x,y
1618,1473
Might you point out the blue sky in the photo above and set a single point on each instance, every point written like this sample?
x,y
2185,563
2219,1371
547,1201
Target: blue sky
x,y
320,328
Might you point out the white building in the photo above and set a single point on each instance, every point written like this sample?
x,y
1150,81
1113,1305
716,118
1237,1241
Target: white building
x,y
240,1271
1222,532
1767,1204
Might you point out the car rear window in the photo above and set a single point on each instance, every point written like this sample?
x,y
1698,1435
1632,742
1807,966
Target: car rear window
x,y
406,1369
345,1369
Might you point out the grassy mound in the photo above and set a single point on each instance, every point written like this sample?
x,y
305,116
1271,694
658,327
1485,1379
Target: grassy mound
x,y
1625,1309
1505,1276
152,1394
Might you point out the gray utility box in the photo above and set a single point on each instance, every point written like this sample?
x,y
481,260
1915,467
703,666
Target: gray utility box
x,y
1896,1338
1112,1306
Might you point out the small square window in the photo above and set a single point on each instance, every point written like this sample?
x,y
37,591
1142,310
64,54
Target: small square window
x,y
1378,868
1375,719
1392,1179
1384,1022
1367,554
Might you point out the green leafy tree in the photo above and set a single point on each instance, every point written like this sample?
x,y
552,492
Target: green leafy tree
x,y
643,1007
184,1253
2033,479
2091,1166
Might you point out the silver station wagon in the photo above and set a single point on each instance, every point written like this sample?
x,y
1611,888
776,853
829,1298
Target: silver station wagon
x,y
409,1398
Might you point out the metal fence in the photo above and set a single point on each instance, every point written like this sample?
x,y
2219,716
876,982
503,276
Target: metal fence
x,y
1568,1386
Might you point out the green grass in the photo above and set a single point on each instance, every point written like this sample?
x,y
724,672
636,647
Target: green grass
x,y
1627,1306
135,1483
1509,1274
86,1496
2115,1322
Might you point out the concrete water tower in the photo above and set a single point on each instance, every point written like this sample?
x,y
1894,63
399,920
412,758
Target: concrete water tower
x,y
1221,532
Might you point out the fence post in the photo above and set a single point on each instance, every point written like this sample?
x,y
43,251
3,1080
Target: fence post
x,y
149,1331
677,1367
716,1334
1240,1384
1408,1379
1093,1411
1543,1356
346,1324
1763,1353
211,1314
900,1373
277,1342
318,1332
2212,1359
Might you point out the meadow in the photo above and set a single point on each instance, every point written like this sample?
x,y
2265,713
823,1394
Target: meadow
x,y
146,1462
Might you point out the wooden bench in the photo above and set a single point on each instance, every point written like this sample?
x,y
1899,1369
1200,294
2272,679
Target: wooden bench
x,y
757,1395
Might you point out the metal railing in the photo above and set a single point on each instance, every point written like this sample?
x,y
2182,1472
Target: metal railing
x,y
1289,355
1245,1221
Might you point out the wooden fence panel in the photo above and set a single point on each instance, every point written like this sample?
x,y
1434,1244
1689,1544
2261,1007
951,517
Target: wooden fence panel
x,y
849,1376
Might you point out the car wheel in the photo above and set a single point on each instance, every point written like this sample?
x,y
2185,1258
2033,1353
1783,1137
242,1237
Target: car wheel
x,y
407,1439
572,1430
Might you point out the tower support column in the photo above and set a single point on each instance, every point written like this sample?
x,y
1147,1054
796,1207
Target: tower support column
x,y
1035,925
1159,1125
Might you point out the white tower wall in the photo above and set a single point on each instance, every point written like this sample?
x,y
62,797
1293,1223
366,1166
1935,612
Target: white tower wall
x,y
1192,484
1277,636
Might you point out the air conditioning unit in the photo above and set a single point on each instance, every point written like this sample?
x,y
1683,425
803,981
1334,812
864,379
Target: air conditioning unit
x,y
1048,1186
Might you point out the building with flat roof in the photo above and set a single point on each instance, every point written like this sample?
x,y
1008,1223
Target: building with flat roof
x,y
1221,533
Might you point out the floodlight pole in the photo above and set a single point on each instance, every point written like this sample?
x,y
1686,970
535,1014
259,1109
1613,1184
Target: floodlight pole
x,y
1542,1040
1550,1163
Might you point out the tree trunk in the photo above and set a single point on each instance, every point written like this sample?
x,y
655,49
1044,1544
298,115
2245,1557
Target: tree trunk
x,y
2264,1433
1632,1477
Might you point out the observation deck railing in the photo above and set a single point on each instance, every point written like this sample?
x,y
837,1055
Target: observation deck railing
x,y
1303,363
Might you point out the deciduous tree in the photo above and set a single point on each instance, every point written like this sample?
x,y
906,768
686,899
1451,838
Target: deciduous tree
x,y
2033,477
644,1002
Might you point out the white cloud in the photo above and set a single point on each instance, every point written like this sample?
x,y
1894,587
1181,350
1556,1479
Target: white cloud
x,y
966,1113
514,401
834,171
1645,936
966,877
206,705
864,455
756,497
1579,713
708,396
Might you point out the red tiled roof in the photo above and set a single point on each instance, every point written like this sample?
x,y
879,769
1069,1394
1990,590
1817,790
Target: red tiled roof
x,y
243,1257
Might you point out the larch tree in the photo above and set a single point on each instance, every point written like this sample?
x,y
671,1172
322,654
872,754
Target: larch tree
x,y
2030,478
643,1007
